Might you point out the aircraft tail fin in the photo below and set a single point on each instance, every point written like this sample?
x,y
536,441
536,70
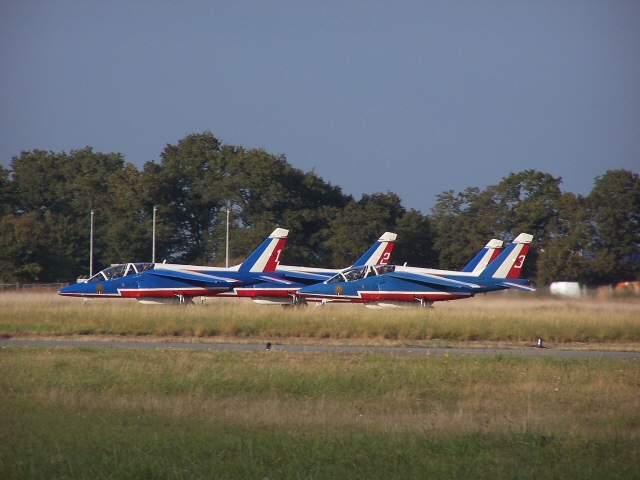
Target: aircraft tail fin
x,y
379,252
266,257
509,263
484,257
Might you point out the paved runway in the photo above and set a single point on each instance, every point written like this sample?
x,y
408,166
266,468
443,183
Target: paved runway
x,y
532,351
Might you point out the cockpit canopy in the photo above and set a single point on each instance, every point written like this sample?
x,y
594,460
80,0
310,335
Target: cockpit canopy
x,y
120,270
357,273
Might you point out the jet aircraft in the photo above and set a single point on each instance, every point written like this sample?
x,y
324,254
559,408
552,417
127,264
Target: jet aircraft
x,y
394,286
171,283
283,287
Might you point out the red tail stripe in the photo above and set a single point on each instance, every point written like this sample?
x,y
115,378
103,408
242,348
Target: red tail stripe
x,y
517,265
276,255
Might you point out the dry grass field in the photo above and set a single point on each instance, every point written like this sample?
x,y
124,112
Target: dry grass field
x,y
489,319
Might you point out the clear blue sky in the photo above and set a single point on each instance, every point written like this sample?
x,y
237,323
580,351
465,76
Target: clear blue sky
x,y
415,97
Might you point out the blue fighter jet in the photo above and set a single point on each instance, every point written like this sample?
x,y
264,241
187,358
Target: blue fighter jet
x,y
282,288
260,277
171,283
393,286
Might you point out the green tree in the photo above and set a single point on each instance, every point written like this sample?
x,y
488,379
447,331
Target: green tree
x,y
358,225
36,178
564,257
313,203
7,203
25,251
530,199
614,204
462,223
86,187
188,197
151,192
259,191
58,191
199,179
521,202
127,236
265,191
415,244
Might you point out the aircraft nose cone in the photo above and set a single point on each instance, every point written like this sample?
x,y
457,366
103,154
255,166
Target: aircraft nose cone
x,y
86,289
75,289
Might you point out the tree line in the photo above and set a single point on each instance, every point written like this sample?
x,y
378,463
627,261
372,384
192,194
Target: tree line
x,y
46,199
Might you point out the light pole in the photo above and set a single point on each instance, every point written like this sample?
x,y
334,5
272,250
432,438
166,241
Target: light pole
x,y
153,244
91,248
227,262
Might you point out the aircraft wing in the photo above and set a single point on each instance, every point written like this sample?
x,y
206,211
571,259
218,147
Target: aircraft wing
x,y
307,278
433,281
196,278
518,286
205,279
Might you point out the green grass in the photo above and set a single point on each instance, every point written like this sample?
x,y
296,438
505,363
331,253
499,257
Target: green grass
x,y
129,413
75,444
110,413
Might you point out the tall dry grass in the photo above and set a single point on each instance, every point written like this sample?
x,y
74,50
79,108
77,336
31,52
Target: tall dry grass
x,y
490,318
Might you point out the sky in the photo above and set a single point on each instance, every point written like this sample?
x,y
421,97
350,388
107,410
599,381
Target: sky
x,y
413,97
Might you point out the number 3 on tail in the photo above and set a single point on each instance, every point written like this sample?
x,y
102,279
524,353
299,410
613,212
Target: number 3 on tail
x,y
519,262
